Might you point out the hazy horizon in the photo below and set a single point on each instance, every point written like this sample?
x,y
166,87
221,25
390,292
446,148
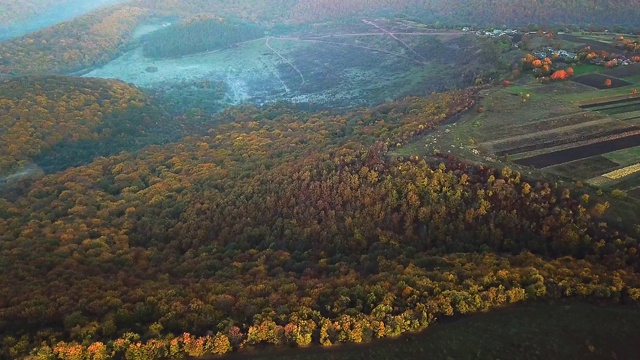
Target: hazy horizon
x,y
49,16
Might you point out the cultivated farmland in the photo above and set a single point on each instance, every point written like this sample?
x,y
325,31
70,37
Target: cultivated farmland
x,y
585,130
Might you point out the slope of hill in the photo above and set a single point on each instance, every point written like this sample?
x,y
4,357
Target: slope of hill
x,y
18,18
13,11
278,226
284,227
481,12
198,34
86,41
94,39
58,122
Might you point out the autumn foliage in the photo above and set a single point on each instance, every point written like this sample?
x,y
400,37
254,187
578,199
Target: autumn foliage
x,y
560,75
14,11
284,227
42,113
272,226
89,40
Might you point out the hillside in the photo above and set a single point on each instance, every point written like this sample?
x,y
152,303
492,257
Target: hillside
x,y
284,227
89,40
229,195
198,34
481,12
59,122
93,39
13,11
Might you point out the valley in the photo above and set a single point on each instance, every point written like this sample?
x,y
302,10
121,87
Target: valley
x,y
335,65
320,179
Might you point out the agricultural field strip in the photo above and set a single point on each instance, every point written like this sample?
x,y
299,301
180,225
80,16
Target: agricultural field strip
x,y
598,100
566,128
585,168
624,71
597,80
526,126
620,109
631,115
562,139
610,104
596,147
627,183
623,172
598,181
571,145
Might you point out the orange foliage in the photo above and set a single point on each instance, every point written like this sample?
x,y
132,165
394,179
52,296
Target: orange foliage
x,y
607,82
560,75
63,110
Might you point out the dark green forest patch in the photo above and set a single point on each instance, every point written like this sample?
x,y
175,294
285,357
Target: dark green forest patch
x,y
198,34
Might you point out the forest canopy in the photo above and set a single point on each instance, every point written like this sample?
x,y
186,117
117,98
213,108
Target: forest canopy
x,y
286,227
155,230
198,34
86,41
43,116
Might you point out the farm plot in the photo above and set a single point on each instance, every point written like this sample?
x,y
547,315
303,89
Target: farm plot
x,y
507,116
564,129
598,81
627,183
625,157
585,168
623,172
627,109
562,138
621,108
554,123
625,176
628,116
596,106
624,71
580,152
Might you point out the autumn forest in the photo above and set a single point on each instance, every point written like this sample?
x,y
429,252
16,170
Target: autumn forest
x,y
132,229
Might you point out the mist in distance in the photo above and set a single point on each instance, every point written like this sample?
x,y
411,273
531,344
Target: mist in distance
x,y
21,18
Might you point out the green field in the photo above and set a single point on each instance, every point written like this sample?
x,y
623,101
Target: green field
x,y
586,69
625,157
